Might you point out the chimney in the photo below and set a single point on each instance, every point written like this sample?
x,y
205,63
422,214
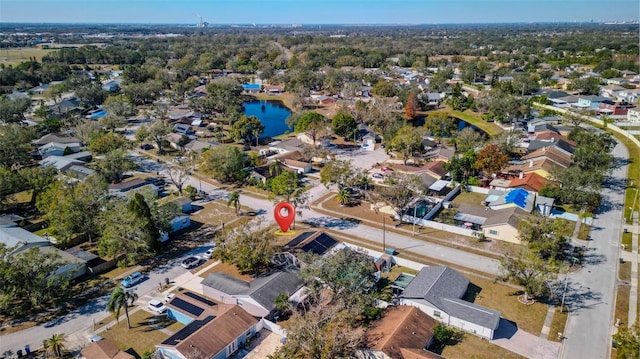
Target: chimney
x,y
521,176
530,163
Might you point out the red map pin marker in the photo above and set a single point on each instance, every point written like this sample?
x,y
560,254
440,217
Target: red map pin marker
x,y
284,220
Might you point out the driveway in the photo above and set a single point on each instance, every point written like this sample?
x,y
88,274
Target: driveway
x,y
508,336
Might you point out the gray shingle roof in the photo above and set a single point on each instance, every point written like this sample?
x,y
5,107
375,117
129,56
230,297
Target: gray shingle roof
x,y
472,313
263,290
443,287
434,283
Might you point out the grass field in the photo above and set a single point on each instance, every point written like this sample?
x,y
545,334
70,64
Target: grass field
x,y
475,119
16,56
142,335
558,324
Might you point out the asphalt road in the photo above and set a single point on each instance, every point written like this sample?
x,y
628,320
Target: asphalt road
x,y
591,291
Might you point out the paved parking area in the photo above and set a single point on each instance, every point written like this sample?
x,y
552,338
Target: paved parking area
x,y
365,159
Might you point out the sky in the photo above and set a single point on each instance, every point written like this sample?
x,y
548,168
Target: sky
x,y
316,11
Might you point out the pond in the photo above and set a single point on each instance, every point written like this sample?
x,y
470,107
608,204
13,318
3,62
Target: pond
x,y
272,114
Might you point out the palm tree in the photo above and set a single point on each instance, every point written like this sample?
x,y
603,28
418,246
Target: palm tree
x,y
282,303
343,197
55,345
234,199
120,298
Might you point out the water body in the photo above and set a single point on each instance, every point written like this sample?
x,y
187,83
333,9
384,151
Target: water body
x,y
272,114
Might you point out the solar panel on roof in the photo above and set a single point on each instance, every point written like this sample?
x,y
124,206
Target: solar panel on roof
x,y
185,332
294,242
199,298
326,241
186,306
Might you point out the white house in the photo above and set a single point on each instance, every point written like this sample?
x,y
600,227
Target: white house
x,y
633,115
437,291
258,296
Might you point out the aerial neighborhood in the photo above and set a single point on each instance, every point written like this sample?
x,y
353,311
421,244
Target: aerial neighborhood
x,y
458,191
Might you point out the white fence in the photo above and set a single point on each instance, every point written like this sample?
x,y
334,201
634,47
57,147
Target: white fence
x,y
272,327
476,189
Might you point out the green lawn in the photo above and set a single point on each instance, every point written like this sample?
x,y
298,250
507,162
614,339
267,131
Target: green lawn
x,y
626,241
142,336
472,346
557,324
470,198
633,175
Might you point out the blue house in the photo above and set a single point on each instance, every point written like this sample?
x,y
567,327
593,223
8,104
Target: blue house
x,y
211,330
251,88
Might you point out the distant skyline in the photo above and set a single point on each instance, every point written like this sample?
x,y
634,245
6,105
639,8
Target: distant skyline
x,y
317,11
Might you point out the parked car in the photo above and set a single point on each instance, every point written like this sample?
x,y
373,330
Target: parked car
x,y
385,169
209,253
156,306
146,146
377,175
191,262
168,297
132,280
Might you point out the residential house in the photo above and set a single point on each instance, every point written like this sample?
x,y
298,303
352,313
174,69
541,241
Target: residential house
x,y
589,102
273,89
212,330
559,145
565,101
633,115
112,85
125,188
614,109
104,349
403,332
299,166
531,182
15,95
182,129
177,140
59,149
182,203
257,296
61,163
262,173
438,292
611,91
19,240
629,95
501,224
55,137
65,106
513,198
556,154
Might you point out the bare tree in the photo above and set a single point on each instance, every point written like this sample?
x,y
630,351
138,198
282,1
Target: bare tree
x,y
179,173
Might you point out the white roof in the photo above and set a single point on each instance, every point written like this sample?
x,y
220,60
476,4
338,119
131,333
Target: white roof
x,y
13,236
439,185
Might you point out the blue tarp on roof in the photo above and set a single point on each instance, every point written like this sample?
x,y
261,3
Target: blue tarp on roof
x,y
97,114
517,196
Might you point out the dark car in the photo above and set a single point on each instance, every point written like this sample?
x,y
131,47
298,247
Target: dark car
x,y
146,146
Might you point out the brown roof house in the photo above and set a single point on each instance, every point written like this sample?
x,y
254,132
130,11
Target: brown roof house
x,y
403,332
438,292
104,349
212,330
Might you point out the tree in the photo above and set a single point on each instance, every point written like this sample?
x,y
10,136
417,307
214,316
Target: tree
x,y
234,199
282,304
407,141
120,298
343,124
312,123
343,196
129,231
86,130
462,167
155,132
545,237
92,94
508,141
529,271
224,163
179,174
74,209
13,110
585,86
55,344
627,342
248,247
440,124
27,282
340,173
113,165
401,190
491,160
411,106
467,139
108,142
285,184
118,108
55,92
38,179
246,128
384,88
14,145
